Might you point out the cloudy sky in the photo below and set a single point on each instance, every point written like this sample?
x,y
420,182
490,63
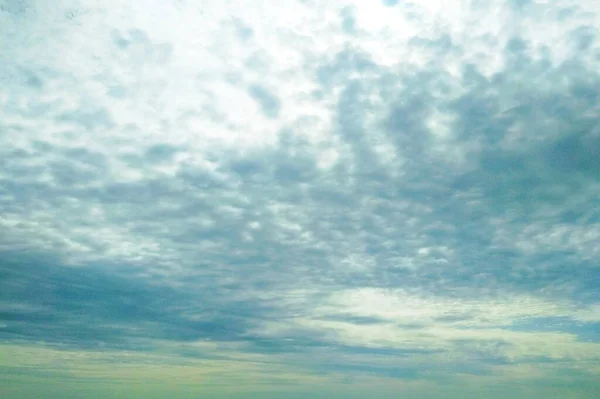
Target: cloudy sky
x,y
299,199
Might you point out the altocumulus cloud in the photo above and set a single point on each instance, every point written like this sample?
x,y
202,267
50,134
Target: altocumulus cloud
x,y
300,198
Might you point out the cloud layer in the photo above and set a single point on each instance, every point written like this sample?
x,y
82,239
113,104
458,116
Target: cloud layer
x,y
342,195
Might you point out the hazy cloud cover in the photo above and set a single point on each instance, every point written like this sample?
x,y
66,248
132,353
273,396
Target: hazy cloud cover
x,y
291,199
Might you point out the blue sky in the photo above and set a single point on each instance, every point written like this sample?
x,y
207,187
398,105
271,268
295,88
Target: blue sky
x,y
298,199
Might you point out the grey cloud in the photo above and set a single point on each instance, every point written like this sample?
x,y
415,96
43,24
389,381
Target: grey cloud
x,y
336,71
515,176
244,31
89,118
268,102
520,4
138,43
160,153
91,306
584,37
348,20
586,332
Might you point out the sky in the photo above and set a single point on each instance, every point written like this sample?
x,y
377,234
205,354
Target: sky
x,y
299,199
